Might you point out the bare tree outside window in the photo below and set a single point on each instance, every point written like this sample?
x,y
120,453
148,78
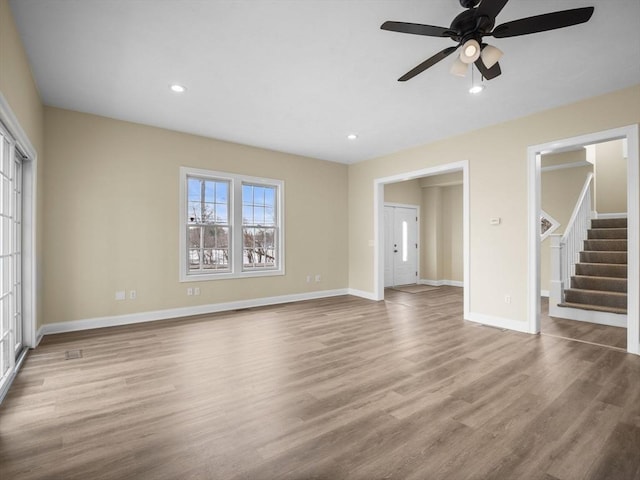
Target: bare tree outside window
x,y
208,224
259,232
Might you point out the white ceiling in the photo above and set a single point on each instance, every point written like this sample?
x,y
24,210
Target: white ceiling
x,y
299,75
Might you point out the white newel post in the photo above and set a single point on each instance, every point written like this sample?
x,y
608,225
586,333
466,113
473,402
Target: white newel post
x,y
557,277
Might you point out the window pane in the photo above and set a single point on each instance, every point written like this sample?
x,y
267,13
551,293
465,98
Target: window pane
x,y
222,215
270,197
194,259
222,192
247,215
269,217
215,259
258,205
222,237
194,237
247,194
259,248
207,201
194,212
258,215
209,189
194,190
209,237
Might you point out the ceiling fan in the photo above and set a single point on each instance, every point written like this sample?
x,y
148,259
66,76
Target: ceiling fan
x,y
478,21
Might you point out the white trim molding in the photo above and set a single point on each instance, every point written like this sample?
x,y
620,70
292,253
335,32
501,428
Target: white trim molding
x,y
499,322
563,166
143,317
362,294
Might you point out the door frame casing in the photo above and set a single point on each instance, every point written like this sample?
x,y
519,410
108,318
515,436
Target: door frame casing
x,y
378,223
629,132
417,209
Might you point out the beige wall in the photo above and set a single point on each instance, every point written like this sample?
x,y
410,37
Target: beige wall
x,y
442,239
560,190
19,90
452,233
407,193
112,217
497,158
431,258
611,178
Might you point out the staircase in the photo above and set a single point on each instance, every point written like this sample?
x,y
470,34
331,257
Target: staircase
x,y
600,280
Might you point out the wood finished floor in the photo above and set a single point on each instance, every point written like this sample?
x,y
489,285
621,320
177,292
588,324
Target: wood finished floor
x,y
583,331
340,388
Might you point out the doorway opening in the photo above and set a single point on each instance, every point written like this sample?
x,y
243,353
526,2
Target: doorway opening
x,y
536,212
381,261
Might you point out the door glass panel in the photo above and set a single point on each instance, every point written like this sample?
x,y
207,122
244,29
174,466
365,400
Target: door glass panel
x,y
405,240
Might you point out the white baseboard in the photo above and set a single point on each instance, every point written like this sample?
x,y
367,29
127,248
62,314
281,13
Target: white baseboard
x,y
591,316
362,294
498,322
132,318
39,335
440,283
544,293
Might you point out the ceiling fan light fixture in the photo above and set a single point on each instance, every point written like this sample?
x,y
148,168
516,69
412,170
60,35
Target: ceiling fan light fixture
x,y
459,68
490,55
470,51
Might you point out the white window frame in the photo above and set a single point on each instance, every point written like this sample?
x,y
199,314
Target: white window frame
x,y
236,269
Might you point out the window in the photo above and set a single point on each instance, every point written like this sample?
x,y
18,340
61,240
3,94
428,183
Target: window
x,y
11,323
231,225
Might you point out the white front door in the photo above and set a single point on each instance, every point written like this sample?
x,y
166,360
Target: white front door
x,y
401,246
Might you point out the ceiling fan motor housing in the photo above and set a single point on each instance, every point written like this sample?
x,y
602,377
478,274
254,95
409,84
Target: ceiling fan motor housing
x,y
468,25
469,3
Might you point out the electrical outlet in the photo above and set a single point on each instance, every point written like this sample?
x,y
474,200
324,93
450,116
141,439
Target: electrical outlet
x,y
196,291
317,277
121,295
308,278
132,295
507,299
189,291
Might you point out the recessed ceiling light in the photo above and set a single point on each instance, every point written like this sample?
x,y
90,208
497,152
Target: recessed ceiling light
x,y
177,88
476,89
352,136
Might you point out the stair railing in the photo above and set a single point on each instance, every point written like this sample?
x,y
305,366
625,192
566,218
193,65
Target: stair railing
x,y
565,249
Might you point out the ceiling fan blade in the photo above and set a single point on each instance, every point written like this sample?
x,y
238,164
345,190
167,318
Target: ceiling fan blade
x,y
417,29
542,23
427,63
488,73
490,8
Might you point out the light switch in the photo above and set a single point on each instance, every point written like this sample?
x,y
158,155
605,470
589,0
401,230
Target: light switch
x,y
495,221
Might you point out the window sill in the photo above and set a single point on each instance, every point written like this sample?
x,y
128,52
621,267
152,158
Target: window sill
x,y
206,277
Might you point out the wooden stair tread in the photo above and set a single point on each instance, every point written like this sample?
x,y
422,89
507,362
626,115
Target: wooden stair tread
x,y
596,292
601,277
